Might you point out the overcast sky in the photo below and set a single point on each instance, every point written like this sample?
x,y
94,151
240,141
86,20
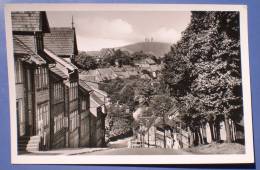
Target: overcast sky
x,y
106,29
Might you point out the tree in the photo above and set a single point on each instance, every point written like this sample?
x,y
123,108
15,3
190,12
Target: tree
x,y
84,61
160,105
119,57
126,96
206,71
145,91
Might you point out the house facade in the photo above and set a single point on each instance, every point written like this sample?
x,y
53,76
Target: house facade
x,y
52,104
97,116
32,80
61,42
64,103
85,117
57,102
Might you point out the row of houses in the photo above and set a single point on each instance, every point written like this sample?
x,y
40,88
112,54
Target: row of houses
x,y
55,109
170,132
124,72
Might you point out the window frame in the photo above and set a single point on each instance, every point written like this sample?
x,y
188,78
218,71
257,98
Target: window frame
x,y
18,72
41,78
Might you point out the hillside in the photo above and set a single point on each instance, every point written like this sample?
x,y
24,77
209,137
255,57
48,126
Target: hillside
x,y
156,48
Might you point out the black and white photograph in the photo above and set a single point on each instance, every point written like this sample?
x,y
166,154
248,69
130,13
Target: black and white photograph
x,y
152,84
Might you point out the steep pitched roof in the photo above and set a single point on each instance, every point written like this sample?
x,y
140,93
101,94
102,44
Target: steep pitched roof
x,y
61,61
62,41
29,55
92,75
118,69
20,47
107,73
30,21
84,85
95,103
96,99
58,72
28,41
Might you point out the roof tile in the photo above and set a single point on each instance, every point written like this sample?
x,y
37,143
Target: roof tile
x,y
84,85
28,55
62,41
30,21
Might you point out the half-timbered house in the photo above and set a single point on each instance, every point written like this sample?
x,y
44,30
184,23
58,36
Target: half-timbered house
x,y
53,105
32,80
84,110
62,43
97,123
59,76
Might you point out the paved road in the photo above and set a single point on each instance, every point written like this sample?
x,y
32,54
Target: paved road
x,y
139,151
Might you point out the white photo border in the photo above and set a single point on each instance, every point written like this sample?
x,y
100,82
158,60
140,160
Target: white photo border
x,y
248,157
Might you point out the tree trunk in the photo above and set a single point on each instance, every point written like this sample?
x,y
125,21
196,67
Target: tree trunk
x,y
217,132
148,139
211,127
196,139
200,136
164,139
204,135
190,137
227,127
235,132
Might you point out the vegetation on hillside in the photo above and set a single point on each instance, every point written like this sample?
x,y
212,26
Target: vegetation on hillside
x,y
117,58
158,49
85,61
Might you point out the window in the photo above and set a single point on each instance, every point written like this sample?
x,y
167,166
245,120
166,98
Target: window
x,y
18,71
73,93
41,78
65,122
42,116
83,104
29,86
58,122
74,120
21,116
58,91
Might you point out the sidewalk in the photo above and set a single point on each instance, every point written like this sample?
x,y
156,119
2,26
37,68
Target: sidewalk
x,y
66,151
